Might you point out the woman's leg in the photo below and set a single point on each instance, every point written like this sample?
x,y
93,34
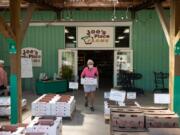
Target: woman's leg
x,y
86,99
92,100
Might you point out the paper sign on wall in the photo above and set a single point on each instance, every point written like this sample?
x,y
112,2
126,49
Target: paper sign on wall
x,y
161,98
34,54
131,95
118,96
73,85
26,68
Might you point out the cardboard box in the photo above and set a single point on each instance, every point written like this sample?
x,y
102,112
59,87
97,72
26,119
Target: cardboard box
x,y
46,125
6,110
11,130
158,112
89,81
162,121
54,105
126,118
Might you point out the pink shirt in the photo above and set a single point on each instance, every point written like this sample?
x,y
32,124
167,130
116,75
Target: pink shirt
x,y
3,77
91,73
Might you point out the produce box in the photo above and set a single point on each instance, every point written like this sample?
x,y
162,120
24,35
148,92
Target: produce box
x,y
124,119
45,126
162,121
11,130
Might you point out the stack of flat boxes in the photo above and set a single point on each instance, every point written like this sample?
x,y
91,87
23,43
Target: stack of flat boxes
x,y
5,108
54,105
64,106
45,126
12,130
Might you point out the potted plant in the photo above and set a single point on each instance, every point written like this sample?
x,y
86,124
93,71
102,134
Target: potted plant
x,y
66,72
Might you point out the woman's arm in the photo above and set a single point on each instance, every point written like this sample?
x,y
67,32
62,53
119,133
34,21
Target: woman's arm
x,y
83,73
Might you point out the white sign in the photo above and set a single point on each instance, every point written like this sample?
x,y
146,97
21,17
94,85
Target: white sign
x,y
89,81
73,85
118,96
34,54
131,95
26,68
106,95
95,37
161,98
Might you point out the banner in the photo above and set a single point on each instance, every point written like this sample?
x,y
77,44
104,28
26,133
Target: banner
x,y
34,54
95,37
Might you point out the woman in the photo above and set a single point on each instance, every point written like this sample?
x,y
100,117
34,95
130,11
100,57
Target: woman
x,y
3,79
90,72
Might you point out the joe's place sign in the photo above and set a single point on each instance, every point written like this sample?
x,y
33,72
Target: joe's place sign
x,y
95,37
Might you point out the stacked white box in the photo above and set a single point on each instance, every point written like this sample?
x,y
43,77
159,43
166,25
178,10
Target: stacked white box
x,y
40,107
8,131
54,128
54,105
5,109
63,108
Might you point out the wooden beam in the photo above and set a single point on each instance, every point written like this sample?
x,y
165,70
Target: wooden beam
x,y
176,39
163,20
16,58
5,29
27,20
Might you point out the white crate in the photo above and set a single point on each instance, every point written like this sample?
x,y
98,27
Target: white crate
x,y
6,110
55,129
19,131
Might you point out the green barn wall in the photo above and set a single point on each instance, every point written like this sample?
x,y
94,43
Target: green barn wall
x,y
148,41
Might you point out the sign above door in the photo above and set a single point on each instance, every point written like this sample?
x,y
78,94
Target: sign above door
x,y
95,37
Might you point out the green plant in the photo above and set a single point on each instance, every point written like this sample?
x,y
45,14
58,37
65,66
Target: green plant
x,y
67,72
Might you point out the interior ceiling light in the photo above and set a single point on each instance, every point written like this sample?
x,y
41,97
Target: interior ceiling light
x,y
126,30
66,31
117,41
74,41
70,37
121,37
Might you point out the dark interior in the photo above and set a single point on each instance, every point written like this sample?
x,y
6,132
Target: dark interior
x,y
103,60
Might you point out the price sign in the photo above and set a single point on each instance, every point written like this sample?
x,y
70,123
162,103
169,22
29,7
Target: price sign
x,y
106,95
73,85
131,95
161,98
118,96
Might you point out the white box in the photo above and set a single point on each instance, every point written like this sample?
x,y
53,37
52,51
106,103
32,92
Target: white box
x,y
55,129
89,81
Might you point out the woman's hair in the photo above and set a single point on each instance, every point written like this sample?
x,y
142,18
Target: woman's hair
x,y
90,62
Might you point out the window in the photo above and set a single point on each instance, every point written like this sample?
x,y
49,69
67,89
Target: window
x,y
122,34
70,37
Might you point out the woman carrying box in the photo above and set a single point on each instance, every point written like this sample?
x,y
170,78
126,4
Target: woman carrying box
x,y
90,72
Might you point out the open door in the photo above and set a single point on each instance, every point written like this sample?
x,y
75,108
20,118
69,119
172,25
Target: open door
x,y
123,60
68,58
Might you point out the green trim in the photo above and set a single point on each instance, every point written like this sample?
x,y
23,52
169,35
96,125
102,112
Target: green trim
x,y
14,101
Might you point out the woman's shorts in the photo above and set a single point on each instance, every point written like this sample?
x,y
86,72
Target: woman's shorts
x,y
89,88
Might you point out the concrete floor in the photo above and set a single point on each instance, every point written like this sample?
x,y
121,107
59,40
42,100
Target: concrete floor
x,y
84,121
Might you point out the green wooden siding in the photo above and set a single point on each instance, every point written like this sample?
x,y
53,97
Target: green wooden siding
x,y
148,41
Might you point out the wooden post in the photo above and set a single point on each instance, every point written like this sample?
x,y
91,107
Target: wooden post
x,y
174,38
15,60
172,35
